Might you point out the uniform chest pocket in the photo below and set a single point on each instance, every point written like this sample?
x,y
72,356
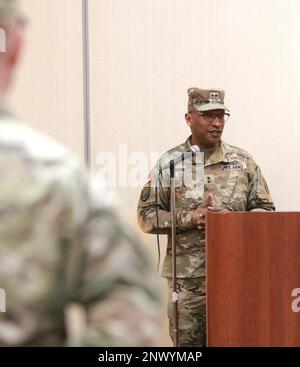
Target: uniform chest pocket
x,y
228,189
189,197
189,185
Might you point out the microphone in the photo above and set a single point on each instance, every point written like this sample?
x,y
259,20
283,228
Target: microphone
x,y
192,150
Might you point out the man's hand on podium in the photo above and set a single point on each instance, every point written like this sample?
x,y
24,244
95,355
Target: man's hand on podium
x,y
199,214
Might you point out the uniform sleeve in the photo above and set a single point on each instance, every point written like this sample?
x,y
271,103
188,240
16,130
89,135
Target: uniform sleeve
x,y
152,218
110,278
259,197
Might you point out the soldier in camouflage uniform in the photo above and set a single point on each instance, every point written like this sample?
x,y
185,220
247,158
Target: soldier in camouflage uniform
x,y
64,249
232,182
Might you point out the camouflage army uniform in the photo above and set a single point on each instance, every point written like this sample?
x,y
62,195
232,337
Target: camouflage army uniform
x,y
237,184
62,243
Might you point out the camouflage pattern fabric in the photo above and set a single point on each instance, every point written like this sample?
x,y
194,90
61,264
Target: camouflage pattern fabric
x,y
63,243
206,99
191,306
236,183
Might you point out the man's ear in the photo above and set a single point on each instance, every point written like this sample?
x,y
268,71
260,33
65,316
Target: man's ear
x,y
15,43
9,59
188,119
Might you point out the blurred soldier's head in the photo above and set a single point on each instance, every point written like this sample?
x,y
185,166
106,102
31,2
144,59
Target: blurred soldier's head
x,y
11,40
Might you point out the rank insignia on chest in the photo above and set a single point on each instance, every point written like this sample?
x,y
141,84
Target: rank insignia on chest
x,y
208,180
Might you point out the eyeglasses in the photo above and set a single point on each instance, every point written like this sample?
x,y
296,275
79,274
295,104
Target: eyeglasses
x,y
210,117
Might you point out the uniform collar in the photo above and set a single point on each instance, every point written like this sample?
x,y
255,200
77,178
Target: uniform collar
x,y
222,154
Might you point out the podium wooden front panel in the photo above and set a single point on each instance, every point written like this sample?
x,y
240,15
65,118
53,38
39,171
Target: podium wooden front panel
x,y
253,265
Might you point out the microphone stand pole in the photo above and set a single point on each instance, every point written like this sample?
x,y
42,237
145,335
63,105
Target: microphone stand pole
x,y
174,275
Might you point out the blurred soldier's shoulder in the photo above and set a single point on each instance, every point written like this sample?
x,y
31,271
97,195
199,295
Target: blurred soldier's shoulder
x,y
17,136
30,158
37,172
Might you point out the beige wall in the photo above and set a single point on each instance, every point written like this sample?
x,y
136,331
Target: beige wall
x,y
144,54
48,91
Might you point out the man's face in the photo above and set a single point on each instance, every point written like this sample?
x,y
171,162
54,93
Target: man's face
x,y
207,127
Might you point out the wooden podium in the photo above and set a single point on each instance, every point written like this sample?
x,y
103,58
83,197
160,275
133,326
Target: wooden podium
x,y
253,266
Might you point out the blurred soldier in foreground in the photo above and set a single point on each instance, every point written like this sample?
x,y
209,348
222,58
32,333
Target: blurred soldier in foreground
x,y
231,181
66,257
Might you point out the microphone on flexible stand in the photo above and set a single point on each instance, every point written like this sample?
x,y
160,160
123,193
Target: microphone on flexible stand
x,y
172,163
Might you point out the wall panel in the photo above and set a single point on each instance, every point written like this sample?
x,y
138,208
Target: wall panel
x,y
48,91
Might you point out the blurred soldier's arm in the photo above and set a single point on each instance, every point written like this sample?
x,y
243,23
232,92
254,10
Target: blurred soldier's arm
x,y
109,275
259,197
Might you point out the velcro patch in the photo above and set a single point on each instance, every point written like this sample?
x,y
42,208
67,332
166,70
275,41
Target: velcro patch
x,y
235,165
145,193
